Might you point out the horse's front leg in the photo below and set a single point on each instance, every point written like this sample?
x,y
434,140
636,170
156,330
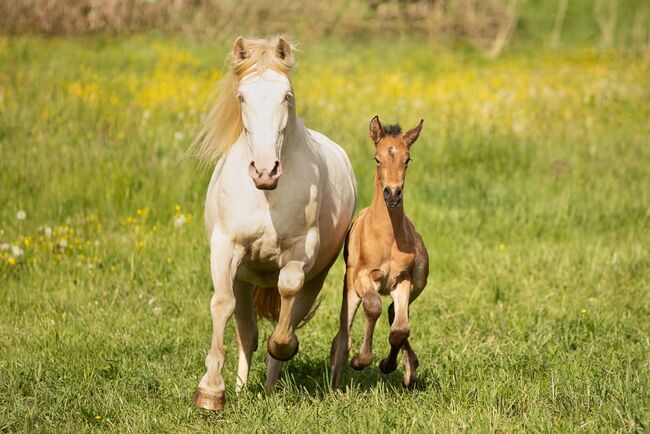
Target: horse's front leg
x,y
224,260
283,344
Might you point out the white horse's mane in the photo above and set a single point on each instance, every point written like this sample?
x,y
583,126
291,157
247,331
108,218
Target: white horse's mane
x,y
223,124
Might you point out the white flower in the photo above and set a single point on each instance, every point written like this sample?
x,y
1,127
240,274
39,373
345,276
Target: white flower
x,y
179,221
21,215
63,242
178,136
4,247
16,251
47,231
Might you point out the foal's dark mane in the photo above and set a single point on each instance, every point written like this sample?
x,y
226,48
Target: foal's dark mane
x,y
392,130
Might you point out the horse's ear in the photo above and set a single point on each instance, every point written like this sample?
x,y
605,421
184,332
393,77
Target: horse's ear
x,y
376,130
239,50
412,135
284,50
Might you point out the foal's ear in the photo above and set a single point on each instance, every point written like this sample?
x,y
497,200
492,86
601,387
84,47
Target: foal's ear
x,y
240,49
412,135
284,50
376,130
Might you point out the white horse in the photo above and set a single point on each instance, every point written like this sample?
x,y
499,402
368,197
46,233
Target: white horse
x,y
278,206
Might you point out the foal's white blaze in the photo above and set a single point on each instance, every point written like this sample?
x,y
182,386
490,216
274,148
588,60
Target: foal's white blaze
x,y
265,100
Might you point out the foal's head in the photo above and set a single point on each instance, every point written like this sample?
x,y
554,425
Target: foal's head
x,y
392,156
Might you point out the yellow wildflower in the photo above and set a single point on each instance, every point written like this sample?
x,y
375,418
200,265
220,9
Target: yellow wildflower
x,y
11,261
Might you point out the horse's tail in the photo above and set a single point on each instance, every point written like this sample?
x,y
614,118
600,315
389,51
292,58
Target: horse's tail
x,y
267,305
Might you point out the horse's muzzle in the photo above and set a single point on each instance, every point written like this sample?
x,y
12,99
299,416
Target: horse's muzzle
x,y
265,178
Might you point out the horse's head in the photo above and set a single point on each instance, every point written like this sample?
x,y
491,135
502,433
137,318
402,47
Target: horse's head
x,y
266,99
392,156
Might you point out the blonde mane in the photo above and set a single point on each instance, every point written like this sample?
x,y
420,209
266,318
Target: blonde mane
x,y
223,124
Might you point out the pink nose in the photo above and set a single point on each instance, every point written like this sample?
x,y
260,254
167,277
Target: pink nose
x,y
265,178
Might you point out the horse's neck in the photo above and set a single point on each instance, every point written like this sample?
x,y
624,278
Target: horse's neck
x,y
390,220
295,135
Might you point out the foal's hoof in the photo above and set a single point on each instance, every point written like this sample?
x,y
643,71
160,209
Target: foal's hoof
x,y
214,402
282,352
361,361
387,366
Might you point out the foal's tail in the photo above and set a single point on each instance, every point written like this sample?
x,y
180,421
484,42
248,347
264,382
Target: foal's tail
x,y
267,305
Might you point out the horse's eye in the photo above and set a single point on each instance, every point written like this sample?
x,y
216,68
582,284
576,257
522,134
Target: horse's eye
x,y
240,97
408,160
288,96
377,161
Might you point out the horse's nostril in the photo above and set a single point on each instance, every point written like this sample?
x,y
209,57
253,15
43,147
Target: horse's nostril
x,y
276,166
398,192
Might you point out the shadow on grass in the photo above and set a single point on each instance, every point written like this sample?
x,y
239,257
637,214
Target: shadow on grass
x,y
312,377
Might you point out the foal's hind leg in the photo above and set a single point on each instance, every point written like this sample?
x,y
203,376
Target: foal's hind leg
x,y
372,310
342,341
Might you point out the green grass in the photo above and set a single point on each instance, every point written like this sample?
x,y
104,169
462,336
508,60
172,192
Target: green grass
x,y
530,185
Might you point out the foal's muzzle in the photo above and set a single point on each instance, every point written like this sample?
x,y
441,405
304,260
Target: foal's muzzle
x,y
393,196
265,178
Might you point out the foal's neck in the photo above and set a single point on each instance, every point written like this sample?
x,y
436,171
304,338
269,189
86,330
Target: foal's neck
x,y
390,218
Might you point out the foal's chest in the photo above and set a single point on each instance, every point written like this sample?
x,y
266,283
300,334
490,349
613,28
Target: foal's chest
x,y
392,271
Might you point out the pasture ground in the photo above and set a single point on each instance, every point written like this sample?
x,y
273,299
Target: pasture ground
x,y
529,183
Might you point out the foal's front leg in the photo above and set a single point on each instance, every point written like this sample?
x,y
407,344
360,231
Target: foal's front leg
x,y
224,260
371,302
399,327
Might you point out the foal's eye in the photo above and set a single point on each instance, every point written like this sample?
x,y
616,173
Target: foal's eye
x,y
377,161
408,160
240,97
288,96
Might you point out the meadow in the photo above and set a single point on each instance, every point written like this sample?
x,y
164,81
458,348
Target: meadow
x,y
530,184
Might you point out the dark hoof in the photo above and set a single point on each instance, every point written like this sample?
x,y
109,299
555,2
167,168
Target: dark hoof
x,y
209,402
360,362
387,366
283,353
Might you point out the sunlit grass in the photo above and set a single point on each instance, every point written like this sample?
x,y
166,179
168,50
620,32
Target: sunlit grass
x,y
529,184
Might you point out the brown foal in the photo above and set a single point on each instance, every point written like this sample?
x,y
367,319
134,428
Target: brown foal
x,y
384,255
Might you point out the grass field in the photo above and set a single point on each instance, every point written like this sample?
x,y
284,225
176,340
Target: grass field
x,y
530,184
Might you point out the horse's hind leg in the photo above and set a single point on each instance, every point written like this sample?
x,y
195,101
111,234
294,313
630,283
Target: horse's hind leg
x,y
246,330
399,326
372,310
342,342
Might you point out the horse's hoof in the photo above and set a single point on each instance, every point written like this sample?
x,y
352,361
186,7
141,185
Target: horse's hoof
x,y
283,353
410,385
387,366
360,362
208,401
